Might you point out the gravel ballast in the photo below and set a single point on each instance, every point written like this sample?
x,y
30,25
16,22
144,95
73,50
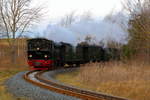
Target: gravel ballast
x,y
21,88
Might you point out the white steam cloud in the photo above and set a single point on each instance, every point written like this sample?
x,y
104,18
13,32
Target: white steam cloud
x,y
111,28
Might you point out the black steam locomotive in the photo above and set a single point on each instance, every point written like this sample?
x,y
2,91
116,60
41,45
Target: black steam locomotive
x,y
45,54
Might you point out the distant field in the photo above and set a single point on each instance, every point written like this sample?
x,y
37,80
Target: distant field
x,y
130,80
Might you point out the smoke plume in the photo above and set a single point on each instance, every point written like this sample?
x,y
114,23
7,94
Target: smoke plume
x,y
112,28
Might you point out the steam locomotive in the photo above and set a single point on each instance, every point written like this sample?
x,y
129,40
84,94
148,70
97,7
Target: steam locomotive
x,y
46,54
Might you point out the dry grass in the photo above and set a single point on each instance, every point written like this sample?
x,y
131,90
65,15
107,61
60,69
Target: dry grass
x,y
5,54
130,79
6,73
8,69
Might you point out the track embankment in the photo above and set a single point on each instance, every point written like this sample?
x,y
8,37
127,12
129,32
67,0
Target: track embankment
x,y
36,78
24,90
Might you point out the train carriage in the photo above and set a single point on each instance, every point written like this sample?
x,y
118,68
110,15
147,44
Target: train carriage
x,y
89,53
45,54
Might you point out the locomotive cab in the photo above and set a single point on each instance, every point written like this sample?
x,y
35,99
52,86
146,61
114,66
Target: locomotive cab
x,y
39,53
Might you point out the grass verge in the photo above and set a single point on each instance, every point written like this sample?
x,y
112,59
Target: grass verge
x,y
6,73
130,80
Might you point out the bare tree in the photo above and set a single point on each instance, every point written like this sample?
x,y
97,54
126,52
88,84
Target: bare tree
x,y
140,11
17,16
139,24
113,44
1,28
88,39
68,19
87,16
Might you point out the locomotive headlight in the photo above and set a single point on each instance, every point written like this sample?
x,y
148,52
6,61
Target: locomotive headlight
x,y
45,56
30,56
38,48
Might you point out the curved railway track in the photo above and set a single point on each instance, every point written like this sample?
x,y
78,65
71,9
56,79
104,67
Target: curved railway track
x,y
35,77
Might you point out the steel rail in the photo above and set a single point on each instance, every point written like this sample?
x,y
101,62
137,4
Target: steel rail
x,y
67,90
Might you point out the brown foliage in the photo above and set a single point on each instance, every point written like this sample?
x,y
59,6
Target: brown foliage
x,y
139,24
5,54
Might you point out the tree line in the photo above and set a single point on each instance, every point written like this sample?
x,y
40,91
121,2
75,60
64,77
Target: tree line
x,y
138,28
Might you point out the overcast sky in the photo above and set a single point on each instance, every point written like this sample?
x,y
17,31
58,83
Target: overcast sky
x,y
55,9
98,28
58,8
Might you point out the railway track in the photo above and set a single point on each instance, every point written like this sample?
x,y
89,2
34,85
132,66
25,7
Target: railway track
x,y
35,77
